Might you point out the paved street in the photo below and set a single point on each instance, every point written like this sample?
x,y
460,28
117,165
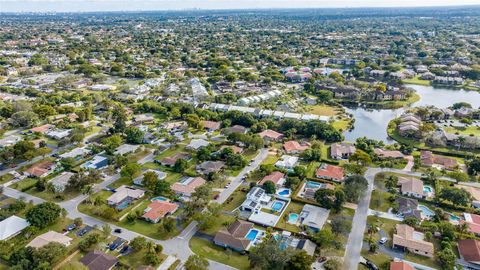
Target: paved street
x,y
236,181
355,239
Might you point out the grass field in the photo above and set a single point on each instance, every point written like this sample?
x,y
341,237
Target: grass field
x,y
322,109
208,250
467,131
416,80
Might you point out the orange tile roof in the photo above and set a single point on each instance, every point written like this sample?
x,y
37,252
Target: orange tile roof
x,y
158,209
330,171
270,134
275,177
400,266
190,187
291,146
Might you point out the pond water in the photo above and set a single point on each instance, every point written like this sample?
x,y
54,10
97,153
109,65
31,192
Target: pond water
x,y
372,123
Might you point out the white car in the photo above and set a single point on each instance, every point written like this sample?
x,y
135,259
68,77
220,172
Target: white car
x,y
383,240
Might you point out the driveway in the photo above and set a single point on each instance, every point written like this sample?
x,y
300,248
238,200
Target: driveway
x,y
236,181
355,239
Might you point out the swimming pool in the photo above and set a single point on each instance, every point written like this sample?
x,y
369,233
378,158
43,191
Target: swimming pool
x,y
252,234
426,211
427,189
123,205
454,218
311,184
284,192
159,199
292,218
277,206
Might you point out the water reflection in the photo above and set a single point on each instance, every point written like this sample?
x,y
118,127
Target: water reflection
x,y
373,123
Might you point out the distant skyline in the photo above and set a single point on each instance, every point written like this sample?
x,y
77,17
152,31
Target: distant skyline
x,y
145,5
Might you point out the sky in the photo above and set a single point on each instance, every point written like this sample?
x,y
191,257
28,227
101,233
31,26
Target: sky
x,y
141,5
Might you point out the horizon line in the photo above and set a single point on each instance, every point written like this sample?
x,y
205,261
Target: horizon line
x,y
243,9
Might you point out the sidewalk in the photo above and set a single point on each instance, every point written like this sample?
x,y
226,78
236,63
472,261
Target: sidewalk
x,y
167,263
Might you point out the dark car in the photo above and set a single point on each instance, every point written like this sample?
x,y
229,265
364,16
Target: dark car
x,y
84,230
117,243
70,227
370,265
117,230
126,249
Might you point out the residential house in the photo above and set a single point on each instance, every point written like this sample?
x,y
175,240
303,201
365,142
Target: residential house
x,y
158,209
256,198
58,134
341,150
126,149
269,135
235,129
98,260
473,223
50,237
76,153
171,160
293,147
330,172
287,162
400,265
411,187
41,129
209,166
235,149
97,162
176,126
235,236
211,125
196,144
278,178
406,238
146,118
469,250
427,159
60,181
388,154
40,169
11,227
123,196
187,185
9,140
408,208
313,217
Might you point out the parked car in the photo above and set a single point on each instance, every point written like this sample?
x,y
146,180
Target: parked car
x,y
70,227
84,230
117,230
370,265
383,240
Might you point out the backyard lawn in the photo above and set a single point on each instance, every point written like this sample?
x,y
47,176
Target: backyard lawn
x,y
208,250
236,199
293,207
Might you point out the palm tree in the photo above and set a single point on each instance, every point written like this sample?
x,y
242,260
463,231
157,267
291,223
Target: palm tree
x,y
461,141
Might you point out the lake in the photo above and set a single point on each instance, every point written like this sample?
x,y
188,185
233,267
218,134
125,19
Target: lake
x,y
372,123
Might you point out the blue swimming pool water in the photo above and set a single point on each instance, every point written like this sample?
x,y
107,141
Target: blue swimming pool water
x,y
252,234
284,192
292,218
311,184
426,211
454,218
123,205
277,206
427,189
159,199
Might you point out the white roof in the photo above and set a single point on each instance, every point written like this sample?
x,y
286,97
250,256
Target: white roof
x,y
125,148
49,237
79,151
11,226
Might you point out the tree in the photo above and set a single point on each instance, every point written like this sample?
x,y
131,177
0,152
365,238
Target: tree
x,y
162,188
138,243
355,186
150,180
120,117
447,258
89,242
325,197
268,255
300,261
269,187
341,225
44,214
456,196
78,222
106,229
111,143
180,165
324,238
134,135
332,264
360,157
131,170
24,119
195,262
68,163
